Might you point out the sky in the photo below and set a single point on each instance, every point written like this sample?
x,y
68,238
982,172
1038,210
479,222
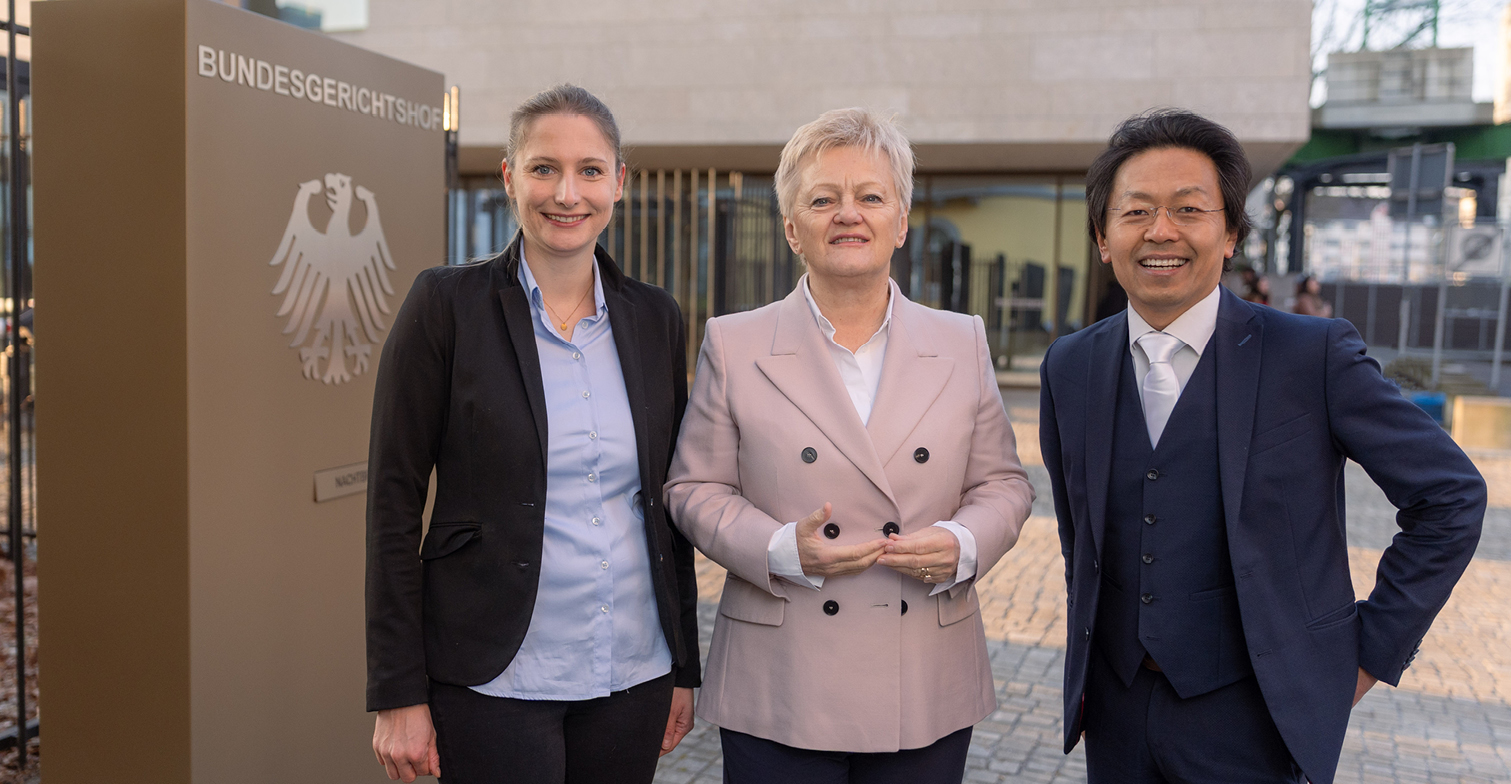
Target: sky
x,y
1461,23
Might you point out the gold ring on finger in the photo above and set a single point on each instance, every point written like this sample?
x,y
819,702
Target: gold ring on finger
x,y
923,573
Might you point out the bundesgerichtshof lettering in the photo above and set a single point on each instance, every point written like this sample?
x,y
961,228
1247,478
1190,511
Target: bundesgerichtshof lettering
x,y
294,83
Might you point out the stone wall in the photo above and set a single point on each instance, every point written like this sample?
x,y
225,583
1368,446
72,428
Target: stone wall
x,y
984,85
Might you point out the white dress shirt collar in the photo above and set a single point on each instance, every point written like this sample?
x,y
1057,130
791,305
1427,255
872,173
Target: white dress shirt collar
x,y
828,328
1194,327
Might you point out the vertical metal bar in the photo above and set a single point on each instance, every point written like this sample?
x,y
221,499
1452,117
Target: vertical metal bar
x,y
613,232
676,271
1369,316
645,224
1411,210
1054,302
713,213
627,249
1500,335
773,209
17,258
694,338
1405,323
1437,333
659,277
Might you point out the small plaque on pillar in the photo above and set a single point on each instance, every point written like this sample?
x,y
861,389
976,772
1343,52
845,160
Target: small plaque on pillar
x,y
344,480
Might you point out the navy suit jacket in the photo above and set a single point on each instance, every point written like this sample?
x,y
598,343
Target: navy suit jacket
x,y
1296,396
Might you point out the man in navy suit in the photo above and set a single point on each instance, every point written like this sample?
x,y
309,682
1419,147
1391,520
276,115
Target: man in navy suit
x,y
1196,446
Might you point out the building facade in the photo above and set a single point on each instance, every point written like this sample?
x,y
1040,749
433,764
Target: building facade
x,y
1007,103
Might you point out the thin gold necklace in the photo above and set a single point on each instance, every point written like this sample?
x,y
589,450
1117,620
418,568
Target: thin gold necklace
x,y
563,326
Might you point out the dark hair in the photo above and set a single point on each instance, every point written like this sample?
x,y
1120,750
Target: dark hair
x,y
1302,282
1162,129
562,99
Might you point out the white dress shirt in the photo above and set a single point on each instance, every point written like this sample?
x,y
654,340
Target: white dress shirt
x,y
1194,328
860,370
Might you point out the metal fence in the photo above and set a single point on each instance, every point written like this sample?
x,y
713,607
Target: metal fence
x,y
715,241
19,423
1430,286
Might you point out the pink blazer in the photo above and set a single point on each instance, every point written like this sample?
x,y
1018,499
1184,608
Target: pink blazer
x,y
871,663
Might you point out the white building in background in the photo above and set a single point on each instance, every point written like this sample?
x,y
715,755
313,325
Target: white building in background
x,y
1006,103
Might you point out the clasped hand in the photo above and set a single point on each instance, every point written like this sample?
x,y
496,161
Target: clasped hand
x,y
930,555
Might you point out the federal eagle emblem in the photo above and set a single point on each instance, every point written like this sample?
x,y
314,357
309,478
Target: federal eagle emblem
x,y
334,281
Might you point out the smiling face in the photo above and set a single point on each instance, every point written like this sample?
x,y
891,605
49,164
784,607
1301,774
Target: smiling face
x,y
563,185
848,216
1166,268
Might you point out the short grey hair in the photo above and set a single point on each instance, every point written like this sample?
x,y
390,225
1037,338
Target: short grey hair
x,y
562,99
853,127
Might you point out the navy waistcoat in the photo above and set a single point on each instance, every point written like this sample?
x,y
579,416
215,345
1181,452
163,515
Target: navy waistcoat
x,y
1167,581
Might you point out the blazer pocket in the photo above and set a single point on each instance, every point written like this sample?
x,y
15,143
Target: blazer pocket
x,y
1213,593
446,538
1280,434
745,602
1337,617
954,610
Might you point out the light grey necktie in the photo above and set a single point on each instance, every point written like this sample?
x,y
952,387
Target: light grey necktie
x,y
1161,387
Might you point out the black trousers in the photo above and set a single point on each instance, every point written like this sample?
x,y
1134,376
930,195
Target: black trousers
x,y
494,740
752,760
1147,734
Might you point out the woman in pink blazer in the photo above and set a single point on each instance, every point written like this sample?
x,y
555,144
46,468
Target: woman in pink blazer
x,y
846,456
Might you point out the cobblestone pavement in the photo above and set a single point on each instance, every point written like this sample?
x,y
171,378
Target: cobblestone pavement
x,y
1449,721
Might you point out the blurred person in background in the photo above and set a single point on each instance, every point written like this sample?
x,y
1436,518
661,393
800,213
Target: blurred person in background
x,y
1195,445
847,457
1309,301
1256,287
545,629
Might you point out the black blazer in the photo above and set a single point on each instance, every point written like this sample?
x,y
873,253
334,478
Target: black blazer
x,y
1296,395
459,390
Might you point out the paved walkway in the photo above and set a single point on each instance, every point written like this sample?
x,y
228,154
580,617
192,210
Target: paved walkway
x,y
1450,720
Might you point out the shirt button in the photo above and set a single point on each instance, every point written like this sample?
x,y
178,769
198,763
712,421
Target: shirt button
x,y
1150,519
593,434
577,355
592,477
1153,472
1147,598
586,393
595,521
604,564
1148,559
604,608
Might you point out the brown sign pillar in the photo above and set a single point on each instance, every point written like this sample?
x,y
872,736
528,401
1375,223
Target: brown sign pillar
x,y
228,211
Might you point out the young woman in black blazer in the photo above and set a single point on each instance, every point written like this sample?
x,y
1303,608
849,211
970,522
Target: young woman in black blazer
x,y
545,628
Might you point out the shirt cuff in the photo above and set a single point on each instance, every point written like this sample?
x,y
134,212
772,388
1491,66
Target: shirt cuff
x,y
782,559
965,569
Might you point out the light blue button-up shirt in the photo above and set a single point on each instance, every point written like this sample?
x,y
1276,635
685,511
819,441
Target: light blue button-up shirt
x,y
594,629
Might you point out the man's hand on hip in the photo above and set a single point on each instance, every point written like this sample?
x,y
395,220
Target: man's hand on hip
x,y
1366,682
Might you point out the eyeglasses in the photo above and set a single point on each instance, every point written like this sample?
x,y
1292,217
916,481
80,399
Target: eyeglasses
x,y
1142,217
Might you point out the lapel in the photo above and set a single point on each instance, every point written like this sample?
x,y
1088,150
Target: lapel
x,y
1238,342
624,320
518,323
1103,374
802,370
912,376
